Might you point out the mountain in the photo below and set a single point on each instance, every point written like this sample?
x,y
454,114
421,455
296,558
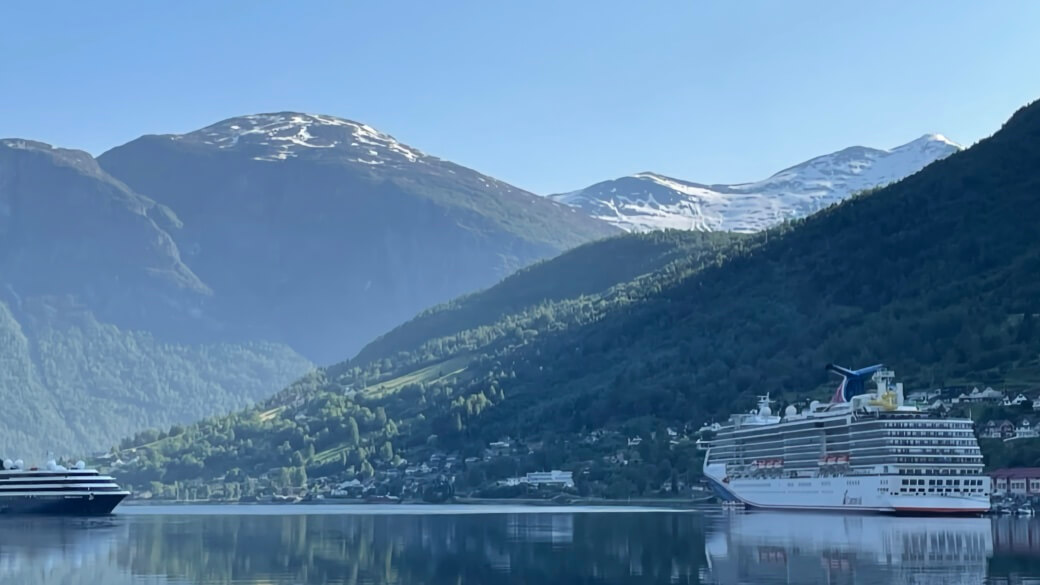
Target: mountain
x,y
648,201
322,232
65,225
93,295
936,275
181,276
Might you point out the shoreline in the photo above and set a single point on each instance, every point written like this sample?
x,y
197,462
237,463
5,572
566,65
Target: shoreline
x,y
584,502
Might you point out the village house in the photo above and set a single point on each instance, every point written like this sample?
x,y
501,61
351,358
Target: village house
x,y
937,406
1017,400
555,477
997,429
988,395
1026,429
1016,481
499,448
923,396
347,489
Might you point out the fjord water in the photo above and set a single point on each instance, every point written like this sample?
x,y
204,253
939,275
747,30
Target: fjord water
x,y
277,545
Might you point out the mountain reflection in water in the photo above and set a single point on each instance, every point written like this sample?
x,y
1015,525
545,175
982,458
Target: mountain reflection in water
x,y
241,545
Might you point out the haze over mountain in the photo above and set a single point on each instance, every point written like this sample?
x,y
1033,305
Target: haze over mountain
x,y
649,201
220,263
936,276
93,298
323,232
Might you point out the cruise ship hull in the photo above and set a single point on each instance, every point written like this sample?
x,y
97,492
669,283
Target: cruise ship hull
x,y
61,504
845,494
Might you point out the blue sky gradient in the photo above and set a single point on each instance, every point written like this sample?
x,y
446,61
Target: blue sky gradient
x,y
550,96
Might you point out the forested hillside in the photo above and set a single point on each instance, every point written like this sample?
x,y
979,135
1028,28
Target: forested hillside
x,y
72,384
936,276
96,307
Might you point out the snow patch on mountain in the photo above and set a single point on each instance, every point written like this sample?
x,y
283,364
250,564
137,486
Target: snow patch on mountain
x,y
285,135
648,201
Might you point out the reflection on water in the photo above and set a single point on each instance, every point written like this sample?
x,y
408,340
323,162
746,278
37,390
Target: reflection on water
x,y
801,548
244,546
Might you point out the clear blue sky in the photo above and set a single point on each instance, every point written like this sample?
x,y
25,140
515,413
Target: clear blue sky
x,y
550,96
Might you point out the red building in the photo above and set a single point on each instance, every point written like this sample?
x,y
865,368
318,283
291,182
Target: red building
x,y
1016,480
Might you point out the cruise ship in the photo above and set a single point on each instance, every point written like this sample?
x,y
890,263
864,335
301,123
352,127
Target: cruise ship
x,y
57,490
862,451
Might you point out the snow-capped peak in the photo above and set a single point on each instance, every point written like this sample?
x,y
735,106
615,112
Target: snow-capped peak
x,y
284,135
930,138
649,201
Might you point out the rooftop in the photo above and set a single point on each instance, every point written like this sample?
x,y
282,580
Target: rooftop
x,y
1017,473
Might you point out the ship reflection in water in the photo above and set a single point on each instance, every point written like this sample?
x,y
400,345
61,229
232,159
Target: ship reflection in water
x,y
360,545
809,548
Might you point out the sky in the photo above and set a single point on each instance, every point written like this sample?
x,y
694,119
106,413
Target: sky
x,y
550,96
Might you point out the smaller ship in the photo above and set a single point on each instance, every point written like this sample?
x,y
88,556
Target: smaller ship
x,y
57,490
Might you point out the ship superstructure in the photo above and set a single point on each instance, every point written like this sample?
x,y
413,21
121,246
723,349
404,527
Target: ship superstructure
x,y
864,451
56,489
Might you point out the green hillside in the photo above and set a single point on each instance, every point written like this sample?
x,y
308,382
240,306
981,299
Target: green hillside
x,y
72,384
938,276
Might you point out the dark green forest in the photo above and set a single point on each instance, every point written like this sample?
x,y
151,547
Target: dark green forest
x,y
73,384
937,276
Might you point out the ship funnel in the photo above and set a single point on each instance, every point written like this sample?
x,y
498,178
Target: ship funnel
x,y
852,383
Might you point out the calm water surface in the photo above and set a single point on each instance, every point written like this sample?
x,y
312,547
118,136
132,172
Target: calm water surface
x,y
279,545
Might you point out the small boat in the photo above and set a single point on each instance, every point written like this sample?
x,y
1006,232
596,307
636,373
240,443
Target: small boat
x,y
382,499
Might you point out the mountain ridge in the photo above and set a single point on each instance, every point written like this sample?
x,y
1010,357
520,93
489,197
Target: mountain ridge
x,y
646,201
287,212
935,275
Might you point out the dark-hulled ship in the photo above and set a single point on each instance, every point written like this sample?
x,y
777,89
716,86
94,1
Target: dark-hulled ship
x,y
57,490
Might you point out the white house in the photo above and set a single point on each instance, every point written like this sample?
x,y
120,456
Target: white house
x,y
1017,400
998,429
1025,430
554,477
987,395
347,488
923,396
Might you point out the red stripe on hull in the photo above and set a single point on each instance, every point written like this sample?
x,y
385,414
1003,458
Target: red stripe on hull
x,y
945,510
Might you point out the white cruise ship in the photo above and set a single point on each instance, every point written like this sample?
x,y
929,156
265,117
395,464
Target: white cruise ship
x,y
57,490
862,451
